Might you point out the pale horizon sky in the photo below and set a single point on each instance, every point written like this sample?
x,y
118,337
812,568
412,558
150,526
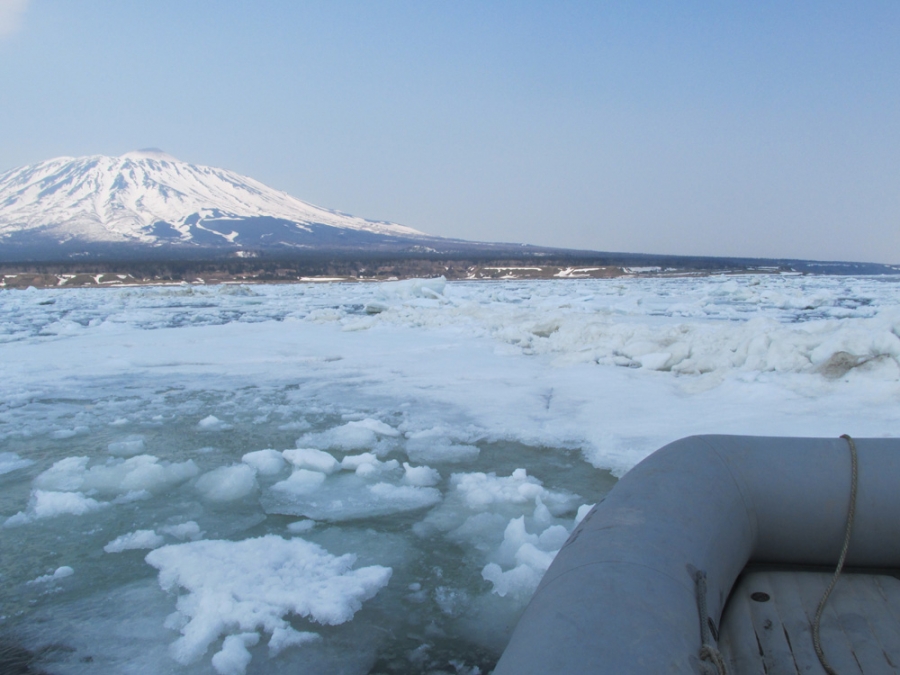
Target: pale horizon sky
x,y
734,129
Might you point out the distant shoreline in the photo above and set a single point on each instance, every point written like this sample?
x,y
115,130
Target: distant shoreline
x,y
23,280
339,269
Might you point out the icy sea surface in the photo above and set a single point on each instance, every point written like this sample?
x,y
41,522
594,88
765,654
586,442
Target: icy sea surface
x,y
371,478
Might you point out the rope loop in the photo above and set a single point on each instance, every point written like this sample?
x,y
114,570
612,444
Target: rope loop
x,y
854,471
711,659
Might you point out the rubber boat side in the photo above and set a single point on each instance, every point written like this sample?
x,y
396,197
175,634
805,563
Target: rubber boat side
x,y
620,597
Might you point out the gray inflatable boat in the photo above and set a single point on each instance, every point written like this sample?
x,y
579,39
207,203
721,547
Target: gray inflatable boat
x,y
713,555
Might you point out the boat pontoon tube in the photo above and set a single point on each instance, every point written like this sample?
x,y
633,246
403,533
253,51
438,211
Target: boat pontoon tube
x,y
621,598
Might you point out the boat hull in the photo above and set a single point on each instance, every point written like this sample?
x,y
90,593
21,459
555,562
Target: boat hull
x,y
621,598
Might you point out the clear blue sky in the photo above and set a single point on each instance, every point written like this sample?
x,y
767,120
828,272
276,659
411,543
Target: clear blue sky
x,y
716,128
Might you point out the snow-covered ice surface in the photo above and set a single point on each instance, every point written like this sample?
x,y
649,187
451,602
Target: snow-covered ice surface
x,y
372,478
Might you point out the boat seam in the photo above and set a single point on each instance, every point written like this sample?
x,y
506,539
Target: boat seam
x,y
752,517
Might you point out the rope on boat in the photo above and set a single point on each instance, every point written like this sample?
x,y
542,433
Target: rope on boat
x,y
837,572
711,659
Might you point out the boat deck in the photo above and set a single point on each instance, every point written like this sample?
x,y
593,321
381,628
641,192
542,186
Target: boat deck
x,y
767,625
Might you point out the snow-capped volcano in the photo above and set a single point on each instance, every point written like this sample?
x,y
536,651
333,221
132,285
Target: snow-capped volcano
x,y
148,197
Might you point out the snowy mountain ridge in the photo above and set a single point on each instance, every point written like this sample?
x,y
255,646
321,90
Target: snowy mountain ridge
x,y
149,197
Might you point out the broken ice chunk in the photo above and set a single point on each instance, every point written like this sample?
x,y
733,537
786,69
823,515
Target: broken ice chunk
x,y
421,476
127,447
266,462
301,482
238,589
346,497
134,540
227,483
309,458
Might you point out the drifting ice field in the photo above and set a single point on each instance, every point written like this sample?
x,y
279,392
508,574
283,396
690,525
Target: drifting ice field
x,y
371,478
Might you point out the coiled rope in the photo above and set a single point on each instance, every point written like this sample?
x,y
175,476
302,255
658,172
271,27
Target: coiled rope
x,y
711,659
817,643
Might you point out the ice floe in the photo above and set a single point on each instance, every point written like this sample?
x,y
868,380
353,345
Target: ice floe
x,y
115,476
187,530
50,504
60,573
344,496
309,458
367,434
227,483
127,447
10,461
135,540
239,589
265,462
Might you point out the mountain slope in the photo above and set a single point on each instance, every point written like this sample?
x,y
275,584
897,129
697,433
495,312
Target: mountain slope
x,y
147,197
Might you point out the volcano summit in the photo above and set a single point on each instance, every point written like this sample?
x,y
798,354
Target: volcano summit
x,y
147,199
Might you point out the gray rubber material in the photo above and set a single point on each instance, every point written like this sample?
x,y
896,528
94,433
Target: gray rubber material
x,y
620,596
